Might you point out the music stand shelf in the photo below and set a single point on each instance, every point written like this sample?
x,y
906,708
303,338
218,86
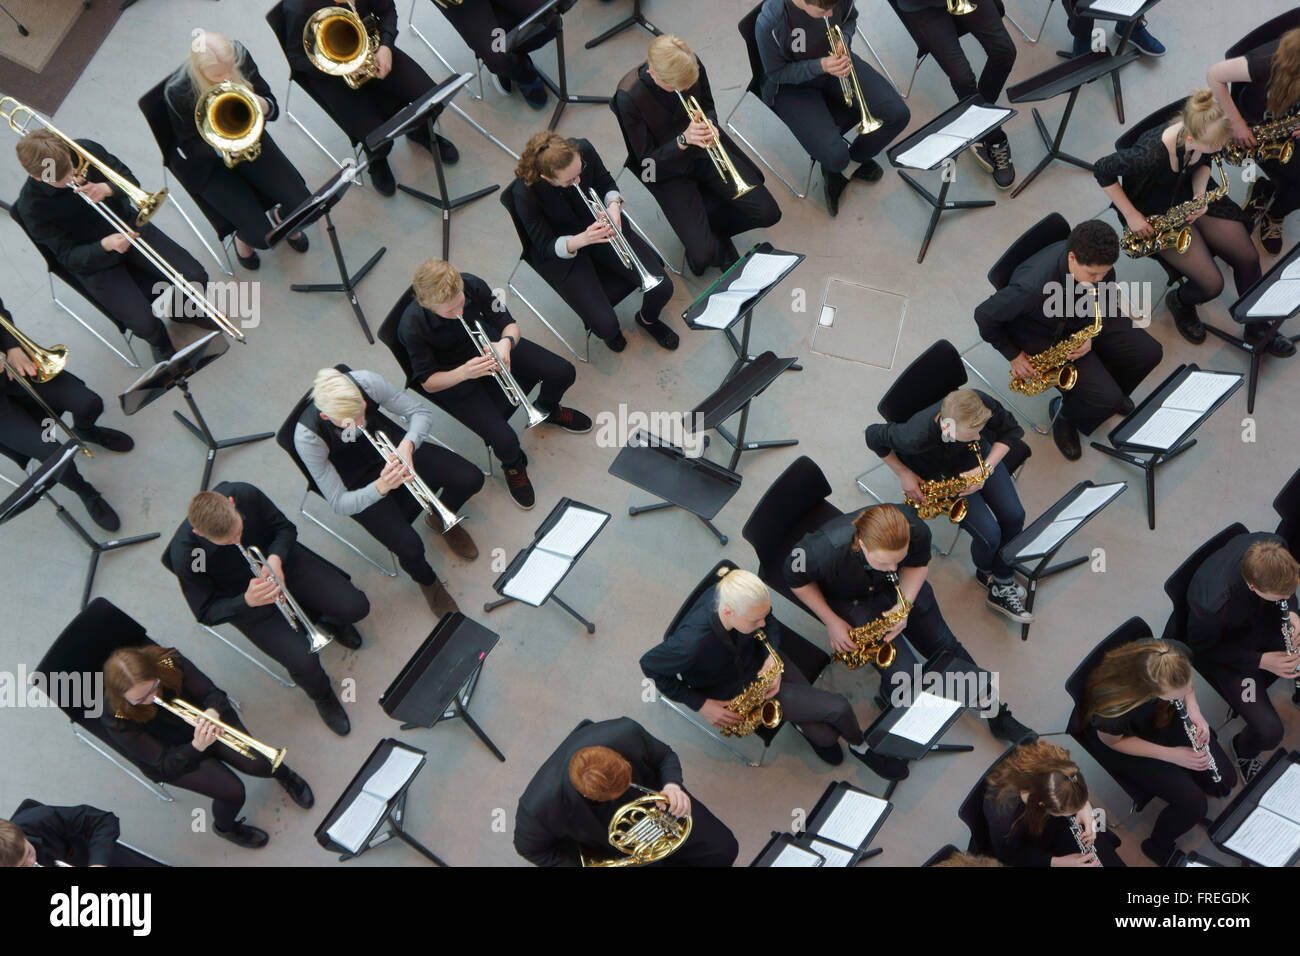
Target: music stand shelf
x,y
1239,311
540,20
1130,22
1225,825
696,485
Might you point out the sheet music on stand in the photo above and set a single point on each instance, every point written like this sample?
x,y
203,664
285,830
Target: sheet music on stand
x,y
1123,8
925,717
1282,297
551,556
1076,512
1270,835
763,269
1182,409
791,854
355,824
973,123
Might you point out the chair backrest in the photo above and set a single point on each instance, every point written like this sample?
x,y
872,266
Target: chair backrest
x,y
1177,583
944,853
275,19
1287,505
704,584
932,375
630,162
748,26
1161,117
387,333
1270,30
507,198
971,810
1051,228
284,435
56,268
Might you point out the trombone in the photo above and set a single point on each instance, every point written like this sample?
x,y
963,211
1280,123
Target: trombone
x,y
849,86
416,486
717,152
238,741
146,203
340,43
293,613
27,386
502,374
622,248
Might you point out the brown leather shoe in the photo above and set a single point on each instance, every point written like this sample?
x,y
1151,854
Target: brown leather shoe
x,y
461,544
439,601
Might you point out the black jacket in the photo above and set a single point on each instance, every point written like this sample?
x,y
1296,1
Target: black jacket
x,y
80,836
436,344
918,442
297,13
554,820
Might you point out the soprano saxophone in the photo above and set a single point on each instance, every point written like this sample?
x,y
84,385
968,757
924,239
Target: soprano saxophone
x,y
1171,229
752,703
1188,726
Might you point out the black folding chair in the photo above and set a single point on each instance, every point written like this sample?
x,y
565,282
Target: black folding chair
x,y
971,810
1287,505
124,854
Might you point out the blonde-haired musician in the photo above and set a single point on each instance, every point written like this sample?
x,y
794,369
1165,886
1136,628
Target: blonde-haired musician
x,y
668,152
356,481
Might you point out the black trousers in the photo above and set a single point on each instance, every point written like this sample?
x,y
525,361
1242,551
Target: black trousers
x,y
926,631
477,21
1263,730
1287,180
453,479
244,193
1119,360
325,593
939,28
126,291
597,281
215,775
23,432
486,411
1184,791
816,114
1080,27
822,716
711,842
361,110
704,212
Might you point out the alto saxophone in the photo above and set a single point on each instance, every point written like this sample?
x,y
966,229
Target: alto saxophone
x,y
1053,364
870,637
1188,726
752,703
943,495
1273,140
1171,230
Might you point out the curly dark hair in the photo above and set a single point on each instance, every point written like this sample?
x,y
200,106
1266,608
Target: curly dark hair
x,y
1094,243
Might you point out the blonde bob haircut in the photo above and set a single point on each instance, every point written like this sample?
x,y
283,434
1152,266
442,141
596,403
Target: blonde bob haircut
x,y
337,396
673,62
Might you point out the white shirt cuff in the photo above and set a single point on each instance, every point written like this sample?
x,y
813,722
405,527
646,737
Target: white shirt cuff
x,y
562,248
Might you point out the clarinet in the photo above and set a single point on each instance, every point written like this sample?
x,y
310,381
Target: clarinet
x,y
1191,735
1076,831
1288,636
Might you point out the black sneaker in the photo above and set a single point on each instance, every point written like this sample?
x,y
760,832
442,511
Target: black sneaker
x,y
331,711
1126,406
833,186
659,331
298,789
1003,599
984,578
241,834
570,419
833,754
1281,346
504,85
1065,434
1270,235
1185,319
520,488
1004,174
1160,856
109,438
981,153
381,177
618,343
534,93
889,768
869,172
1006,727
100,511
1142,39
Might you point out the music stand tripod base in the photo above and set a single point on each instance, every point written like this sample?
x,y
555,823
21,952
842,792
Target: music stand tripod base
x,y
501,602
96,547
350,281
395,829
561,89
442,200
204,434
637,19
940,204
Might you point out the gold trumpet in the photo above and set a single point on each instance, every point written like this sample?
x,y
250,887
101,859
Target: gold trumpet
x,y
231,120
340,43
416,486
872,648
961,7
238,741
49,362
643,832
717,152
849,85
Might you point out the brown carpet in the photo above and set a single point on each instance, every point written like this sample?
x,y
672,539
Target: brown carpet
x,y
38,70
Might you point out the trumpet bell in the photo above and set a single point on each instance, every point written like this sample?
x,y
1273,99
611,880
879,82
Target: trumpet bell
x,y
870,124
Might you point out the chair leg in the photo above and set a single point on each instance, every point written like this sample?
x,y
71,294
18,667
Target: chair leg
x,y
510,284
248,657
156,789
226,267
89,328
912,82
761,158
956,534
862,482
302,510
889,76
1041,26
298,123
710,732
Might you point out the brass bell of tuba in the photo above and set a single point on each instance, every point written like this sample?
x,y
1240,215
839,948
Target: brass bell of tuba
x,y
231,120
340,43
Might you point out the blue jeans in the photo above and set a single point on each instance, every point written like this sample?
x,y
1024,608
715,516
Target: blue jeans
x,y
994,516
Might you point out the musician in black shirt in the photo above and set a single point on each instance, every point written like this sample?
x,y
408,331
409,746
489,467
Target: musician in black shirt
x,y
849,572
47,836
447,366
1238,601
1081,28
1055,293
936,443
188,757
669,153
483,24
1127,706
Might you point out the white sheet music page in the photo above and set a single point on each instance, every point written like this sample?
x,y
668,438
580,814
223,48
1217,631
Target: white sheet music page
x,y
1164,428
924,718
929,151
792,855
850,822
571,533
355,823
1050,536
834,855
1089,501
1265,838
1199,391
1283,797
393,774
540,573
1125,8
762,269
974,123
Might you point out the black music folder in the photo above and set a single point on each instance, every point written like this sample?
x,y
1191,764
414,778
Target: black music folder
x,y
952,132
1262,823
562,539
735,293
697,485
843,823
786,849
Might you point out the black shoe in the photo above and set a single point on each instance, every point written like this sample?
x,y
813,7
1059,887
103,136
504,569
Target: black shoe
x,y
618,343
1126,406
346,635
981,153
100,511
109,438
1259,200
570,419
249,262
983,577
331,711
1160,856
534,93
298,789
1270,235
697,270
833,755
1064,434
869,172
1004,173
833,185
890,768
660,332
448,152
1295,697
520,488
1185,319
1004,599
381,177
1247,766
1006,727
298,242
504,85
241,834
1281,346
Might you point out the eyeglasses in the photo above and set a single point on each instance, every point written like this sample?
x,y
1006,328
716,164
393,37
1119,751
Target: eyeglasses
x,y
140,703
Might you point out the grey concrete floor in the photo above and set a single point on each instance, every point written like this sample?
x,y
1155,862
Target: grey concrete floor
x,y
547,673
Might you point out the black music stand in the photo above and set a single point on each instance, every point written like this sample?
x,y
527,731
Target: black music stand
x,y
318,205
855,846
530,28
1130,22
1272,319
410,116
735,395
941,203
390,824
1227,823
1125,448
1048,533
438,681
790,850
637,19
696,484
176,373
1065,77
38,485
558,513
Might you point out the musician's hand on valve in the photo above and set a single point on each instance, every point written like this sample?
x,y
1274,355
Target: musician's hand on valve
x,y
1022,368
1192,217
205,735
116,242
716,713
598,231
1242,132
1138,225
503,347
20,362
406,450
1202,729
97,192
383,62
1295,627
972,474
699,134
260,592
837,65
1191,759
1076,859
1088,821
679,804
393,476
897,629
776,681
1280,663
838,633
477,367
615,212
275,564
